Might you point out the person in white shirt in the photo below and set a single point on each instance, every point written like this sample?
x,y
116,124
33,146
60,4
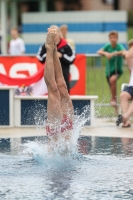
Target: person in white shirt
x,y
127,94
16,45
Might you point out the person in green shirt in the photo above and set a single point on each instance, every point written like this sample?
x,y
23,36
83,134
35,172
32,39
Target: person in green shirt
x,y
112,52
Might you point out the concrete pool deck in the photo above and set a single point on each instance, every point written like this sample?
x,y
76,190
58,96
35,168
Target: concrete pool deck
x,y
103,127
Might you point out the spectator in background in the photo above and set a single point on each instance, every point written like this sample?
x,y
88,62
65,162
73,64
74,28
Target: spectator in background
x,y
127,94
112,52
64,31
65,53
16,44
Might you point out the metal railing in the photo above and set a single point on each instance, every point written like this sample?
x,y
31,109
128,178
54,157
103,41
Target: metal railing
x,y
96,77
97,84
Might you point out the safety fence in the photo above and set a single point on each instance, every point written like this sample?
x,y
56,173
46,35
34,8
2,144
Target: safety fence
x,y
96,83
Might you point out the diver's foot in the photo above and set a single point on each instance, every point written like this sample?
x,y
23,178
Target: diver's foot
x,y
50,39
126,124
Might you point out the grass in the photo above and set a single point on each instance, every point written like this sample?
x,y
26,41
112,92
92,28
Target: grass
x,y
96,83
130,33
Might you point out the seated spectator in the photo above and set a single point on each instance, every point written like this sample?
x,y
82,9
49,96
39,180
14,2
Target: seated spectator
x,y
16,44
127,94
113,64
64,31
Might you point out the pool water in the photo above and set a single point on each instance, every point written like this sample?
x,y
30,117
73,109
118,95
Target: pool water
x,y
100,169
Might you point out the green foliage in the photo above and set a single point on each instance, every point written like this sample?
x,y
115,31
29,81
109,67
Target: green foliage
x,y
130,33
130,18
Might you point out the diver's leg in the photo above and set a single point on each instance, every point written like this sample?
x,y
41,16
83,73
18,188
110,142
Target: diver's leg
x,y
66,102
54,112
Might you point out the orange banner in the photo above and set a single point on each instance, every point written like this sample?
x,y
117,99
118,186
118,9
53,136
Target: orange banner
x,y
25,67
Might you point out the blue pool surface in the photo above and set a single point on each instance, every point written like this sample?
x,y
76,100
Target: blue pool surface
x,y
102,169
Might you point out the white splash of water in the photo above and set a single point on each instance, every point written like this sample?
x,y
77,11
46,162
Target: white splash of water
x,y
63,147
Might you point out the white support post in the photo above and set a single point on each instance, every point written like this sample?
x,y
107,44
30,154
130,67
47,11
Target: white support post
x,y
42,5
17,112
3,18
14,14
92,110
11,106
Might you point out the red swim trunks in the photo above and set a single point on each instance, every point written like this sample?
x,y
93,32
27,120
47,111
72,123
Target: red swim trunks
x,y
66,125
